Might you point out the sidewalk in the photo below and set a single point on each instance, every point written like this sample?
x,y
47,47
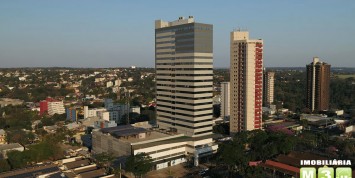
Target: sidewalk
x,y
173,171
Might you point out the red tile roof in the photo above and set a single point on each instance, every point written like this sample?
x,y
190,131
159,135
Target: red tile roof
x,y
282,166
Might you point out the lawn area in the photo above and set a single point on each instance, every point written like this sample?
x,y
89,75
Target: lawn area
x,y
345,76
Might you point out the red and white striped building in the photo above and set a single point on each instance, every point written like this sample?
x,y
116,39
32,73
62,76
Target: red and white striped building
x,y
246,81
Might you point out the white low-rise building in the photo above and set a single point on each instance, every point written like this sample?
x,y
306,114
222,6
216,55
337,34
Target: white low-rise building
x,y
350,129
135,109
99,79
118,82
165,148
109,84
9,101
104,115
92,112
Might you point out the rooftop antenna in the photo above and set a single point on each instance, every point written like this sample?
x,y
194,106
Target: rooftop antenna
x,y
236,29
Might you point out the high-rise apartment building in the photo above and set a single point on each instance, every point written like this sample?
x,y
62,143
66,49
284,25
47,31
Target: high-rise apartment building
x,y
268,90
225,100
318,80
246,79
184,76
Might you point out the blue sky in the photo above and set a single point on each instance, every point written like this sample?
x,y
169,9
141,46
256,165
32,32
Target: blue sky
x,y
114,33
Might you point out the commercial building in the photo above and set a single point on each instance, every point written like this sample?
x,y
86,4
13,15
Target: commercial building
x,y
318,81
225,100
246,78
164,147
268,89
184,76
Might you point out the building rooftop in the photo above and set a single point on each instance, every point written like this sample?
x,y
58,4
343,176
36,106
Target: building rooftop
x,y
128,134
10,146
94,173
85,169
178,138
124,130
313,118
284,124
57,175
76,164
151,135
281,166
290,163
31,171
180,21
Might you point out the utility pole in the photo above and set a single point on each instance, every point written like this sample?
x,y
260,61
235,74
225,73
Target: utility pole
x,y
120,170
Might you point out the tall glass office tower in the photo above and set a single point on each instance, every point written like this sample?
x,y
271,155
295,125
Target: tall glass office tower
x,y
184,76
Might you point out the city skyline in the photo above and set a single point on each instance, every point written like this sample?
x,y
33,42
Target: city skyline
x,y
97,34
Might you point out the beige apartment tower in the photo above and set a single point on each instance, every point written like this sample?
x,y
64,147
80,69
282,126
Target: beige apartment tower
x,y
184,76
268,90
246,80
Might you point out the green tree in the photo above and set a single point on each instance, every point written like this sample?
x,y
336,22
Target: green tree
x,y
104,159
18,159
46,150
43,151
252,172
19,136
4,165
221,129
139,164
234,154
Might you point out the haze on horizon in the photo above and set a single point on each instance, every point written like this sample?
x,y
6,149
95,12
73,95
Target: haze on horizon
x,y
66,33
